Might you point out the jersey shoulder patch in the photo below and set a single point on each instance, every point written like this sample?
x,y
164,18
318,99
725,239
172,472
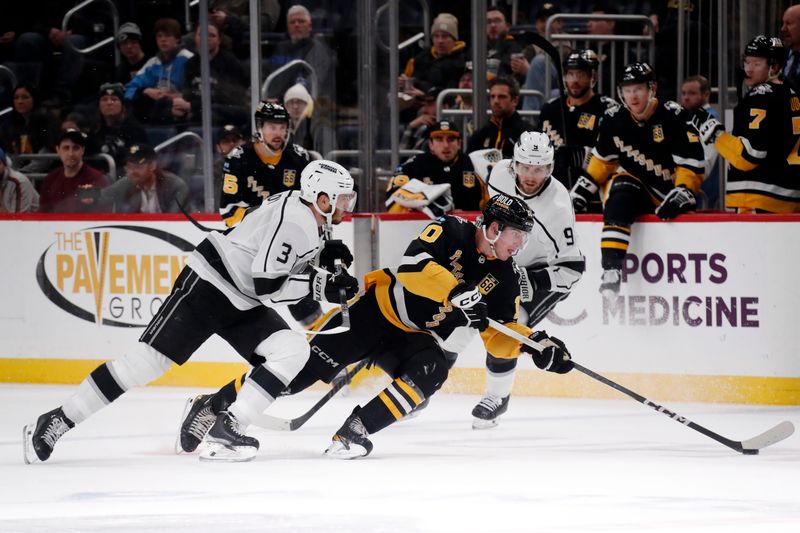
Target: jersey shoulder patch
x,y
611,111
236,153
299,150
760,89
674,107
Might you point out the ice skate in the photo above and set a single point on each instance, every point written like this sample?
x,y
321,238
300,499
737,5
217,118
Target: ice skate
x,y
351,441
38,440
226,441
196,420
610,283
488,411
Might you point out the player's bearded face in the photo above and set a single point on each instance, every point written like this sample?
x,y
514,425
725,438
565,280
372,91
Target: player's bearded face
x,y
578,82
756,70
274,134
531,177
636,97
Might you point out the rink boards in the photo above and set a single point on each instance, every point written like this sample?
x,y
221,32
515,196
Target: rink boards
x,y
707,311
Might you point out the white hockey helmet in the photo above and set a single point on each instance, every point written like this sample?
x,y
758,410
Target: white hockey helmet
x,y
534,148
322,176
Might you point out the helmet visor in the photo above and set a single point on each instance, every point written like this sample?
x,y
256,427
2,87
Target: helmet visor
x,y
347,201
512,239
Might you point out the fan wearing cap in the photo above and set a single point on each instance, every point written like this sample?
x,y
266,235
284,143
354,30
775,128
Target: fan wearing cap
x,y
583,111
439,180
146,187
73,187
762,148
441,64
117,128
648,159
129,42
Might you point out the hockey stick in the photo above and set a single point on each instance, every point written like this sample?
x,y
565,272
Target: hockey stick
x,y
283,424
191,219
746,447
550,50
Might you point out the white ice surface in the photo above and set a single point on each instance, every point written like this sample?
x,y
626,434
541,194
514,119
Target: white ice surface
x,y
550,466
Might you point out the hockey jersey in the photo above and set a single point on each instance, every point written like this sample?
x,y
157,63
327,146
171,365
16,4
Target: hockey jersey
x,y
248,180
763,150
661,152
265,258
414,296
552,257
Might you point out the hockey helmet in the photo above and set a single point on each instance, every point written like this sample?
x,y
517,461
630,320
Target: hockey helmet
x,y
634,73
533,148
322,176
770,48
582,60
270,112
509,211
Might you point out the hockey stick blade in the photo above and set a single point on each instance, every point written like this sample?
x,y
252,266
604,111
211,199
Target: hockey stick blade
x,y
748,447
282,424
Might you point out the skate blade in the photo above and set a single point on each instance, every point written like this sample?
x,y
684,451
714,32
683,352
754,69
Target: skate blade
x,y
480,423
219,453
28,453
178,446
337,450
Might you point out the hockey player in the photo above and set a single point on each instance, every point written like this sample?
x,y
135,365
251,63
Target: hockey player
x,y
444,164
763,149
412,321
254,171
584,111
650,159
229,287
551,262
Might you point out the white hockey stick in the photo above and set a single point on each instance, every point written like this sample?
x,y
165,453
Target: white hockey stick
x,y
747,447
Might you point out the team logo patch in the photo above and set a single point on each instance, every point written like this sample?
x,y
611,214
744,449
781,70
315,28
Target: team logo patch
x,y
289,177
487,284
658,133
468,178
586,121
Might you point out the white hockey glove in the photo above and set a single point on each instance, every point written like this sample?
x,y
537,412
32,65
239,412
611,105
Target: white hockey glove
x,y
526,286
679,200
484,161
434,200
582,193
708,127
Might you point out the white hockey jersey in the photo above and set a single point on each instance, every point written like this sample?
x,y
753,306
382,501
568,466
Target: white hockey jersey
x,y
552,257
265,258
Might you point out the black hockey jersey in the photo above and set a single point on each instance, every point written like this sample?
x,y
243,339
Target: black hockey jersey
x,y
413,296
661,152
467,188
763,150
248,180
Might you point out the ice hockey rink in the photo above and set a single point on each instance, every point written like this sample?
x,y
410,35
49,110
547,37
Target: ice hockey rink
x,y
550,466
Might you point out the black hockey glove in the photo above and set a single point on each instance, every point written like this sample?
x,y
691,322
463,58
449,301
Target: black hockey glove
x,y
468,309
333,250
583,192
678,200
707,126
554,358
325,286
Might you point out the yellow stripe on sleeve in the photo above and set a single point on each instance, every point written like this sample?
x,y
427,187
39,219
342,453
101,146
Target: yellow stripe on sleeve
x,y
730,147
434,282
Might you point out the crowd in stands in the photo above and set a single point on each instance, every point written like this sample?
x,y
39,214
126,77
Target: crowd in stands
x,y
93,113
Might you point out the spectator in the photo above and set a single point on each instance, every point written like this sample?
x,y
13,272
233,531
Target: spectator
x,y
443,164
129,41
416,133
442,64
534,71
695,93
146,188
608,71
17,194
229,138
116,129
162,77
790,33
506,124
501,47
73,187
27,129
305,126
228,81
232,17
464,102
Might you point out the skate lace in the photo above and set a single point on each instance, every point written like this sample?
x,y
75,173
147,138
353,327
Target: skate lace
x,y
202,422
491,403
235,426
55,430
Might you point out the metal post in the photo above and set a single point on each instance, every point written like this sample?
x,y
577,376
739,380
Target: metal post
x,y
681,45
394,71
722,83
478,64
255,58
366,99
205,104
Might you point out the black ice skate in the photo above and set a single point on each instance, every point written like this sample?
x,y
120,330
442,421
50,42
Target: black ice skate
x,y
351,441
38,440
226,441
610,283
196,420
488,411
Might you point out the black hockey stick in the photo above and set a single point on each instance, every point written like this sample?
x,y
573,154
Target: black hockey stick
x,y
747,447
191,219
283,424
555,57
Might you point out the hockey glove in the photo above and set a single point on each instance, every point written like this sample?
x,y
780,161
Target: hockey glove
x,y
325,286
582,193
554,358
333,250
678,200
708,127
468,309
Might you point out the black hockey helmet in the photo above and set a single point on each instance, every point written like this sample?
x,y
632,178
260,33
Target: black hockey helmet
x,y
640,72
270,112
770,48
508,211
582,60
